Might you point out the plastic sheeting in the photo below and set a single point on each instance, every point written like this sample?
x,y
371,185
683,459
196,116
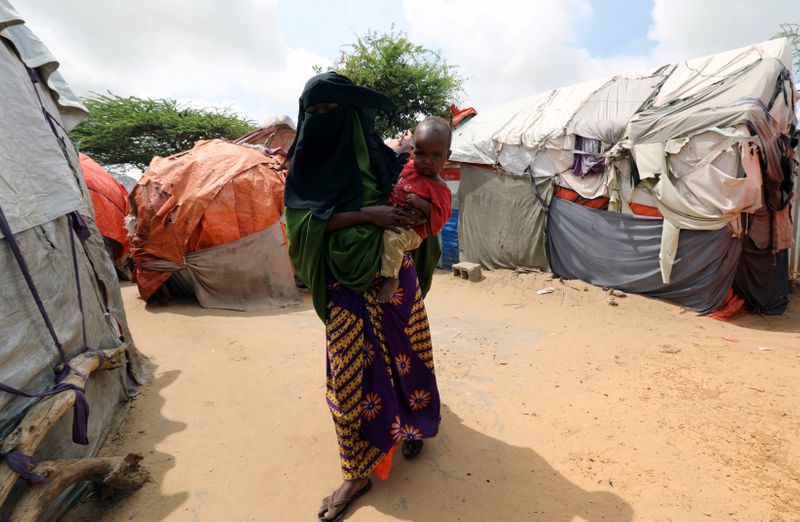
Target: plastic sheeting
x,y
37,189
620,251
735,100
501,221
249,274
688,78
677,138
26,349
35,55
277,136
110,202
213,194
597,109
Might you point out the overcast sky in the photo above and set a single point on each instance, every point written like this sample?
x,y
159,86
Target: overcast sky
x,y
255,55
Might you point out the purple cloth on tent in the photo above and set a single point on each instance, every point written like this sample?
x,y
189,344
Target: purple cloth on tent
x,y
381,387
592,162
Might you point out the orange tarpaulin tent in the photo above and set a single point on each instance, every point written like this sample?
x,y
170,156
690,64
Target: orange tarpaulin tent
x,y
110,201
189,206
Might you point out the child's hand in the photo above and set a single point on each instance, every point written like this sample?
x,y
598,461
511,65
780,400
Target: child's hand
x,y
419,203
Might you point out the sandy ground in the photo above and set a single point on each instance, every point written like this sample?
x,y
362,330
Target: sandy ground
x,y
557,407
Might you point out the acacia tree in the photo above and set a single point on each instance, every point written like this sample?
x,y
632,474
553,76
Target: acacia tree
x,y
417,79
792,33
131,130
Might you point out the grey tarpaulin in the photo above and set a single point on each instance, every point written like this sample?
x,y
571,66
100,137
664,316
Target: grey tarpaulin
x,y
38,188
501,221
621,251
251,273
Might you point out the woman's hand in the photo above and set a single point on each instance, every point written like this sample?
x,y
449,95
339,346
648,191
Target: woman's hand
x,y
416,215
393,218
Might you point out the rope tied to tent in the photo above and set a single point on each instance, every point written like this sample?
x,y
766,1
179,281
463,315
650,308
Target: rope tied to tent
x,y
5,228
50,119
529,171
20,462
81,413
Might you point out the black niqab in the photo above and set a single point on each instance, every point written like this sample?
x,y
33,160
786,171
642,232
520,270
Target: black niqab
x,y
324,176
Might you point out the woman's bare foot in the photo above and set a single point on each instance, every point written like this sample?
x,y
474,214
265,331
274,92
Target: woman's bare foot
x,y
388,288
339,499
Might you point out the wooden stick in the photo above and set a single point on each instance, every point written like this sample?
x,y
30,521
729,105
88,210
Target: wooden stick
x,y
117,473
43,415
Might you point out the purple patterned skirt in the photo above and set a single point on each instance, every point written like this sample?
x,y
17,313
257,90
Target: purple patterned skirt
x,y
381,384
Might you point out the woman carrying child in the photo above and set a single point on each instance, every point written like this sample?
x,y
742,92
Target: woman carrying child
x,y
381,387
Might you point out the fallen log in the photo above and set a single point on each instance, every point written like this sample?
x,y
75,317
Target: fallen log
x,y
116,473
43,415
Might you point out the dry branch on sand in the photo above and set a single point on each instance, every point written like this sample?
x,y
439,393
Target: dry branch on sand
x,y
111,473
41,417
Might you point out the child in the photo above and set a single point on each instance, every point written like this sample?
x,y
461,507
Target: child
x,y
421,187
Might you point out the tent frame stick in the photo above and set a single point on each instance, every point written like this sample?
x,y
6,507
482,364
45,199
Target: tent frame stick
x,y
108,473
43,415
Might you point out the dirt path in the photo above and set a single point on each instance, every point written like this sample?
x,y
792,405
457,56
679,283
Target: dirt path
x,y
557,407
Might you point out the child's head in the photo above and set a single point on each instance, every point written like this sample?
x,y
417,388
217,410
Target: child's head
x,y
432,145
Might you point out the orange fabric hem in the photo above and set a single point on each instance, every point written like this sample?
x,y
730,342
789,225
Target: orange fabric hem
x,y
732,306
572,196
644,210
384,467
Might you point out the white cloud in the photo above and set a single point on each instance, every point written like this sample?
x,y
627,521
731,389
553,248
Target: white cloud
x,y
509,49
235,54
688,29
202,51
505,49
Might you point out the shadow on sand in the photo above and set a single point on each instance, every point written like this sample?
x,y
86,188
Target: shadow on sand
x,y
145,411
788,322
189,307
466,475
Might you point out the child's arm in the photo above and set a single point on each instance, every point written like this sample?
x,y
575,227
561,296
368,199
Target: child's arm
x,y
419,203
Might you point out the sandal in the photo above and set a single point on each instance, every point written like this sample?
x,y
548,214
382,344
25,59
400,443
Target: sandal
x,y
341,503
412,449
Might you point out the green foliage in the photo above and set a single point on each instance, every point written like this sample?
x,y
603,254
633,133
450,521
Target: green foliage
x,y
792,33
417,79
132,130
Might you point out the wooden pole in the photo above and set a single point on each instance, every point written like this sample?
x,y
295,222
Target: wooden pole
x,y
43,415
117,473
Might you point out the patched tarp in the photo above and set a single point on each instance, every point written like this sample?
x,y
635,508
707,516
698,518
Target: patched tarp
x,y
110,202
251,273
40,183
215,193
26,350
620,251
502,221
37,183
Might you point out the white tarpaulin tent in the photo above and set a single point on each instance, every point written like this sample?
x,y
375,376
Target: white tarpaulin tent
x,y
45,254
703,141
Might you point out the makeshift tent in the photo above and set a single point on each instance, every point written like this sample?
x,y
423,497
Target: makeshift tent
x,y
110,202
206,222
275,137
65,347
704,145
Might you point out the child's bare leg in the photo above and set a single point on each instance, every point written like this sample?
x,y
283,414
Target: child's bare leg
x,y
388,288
